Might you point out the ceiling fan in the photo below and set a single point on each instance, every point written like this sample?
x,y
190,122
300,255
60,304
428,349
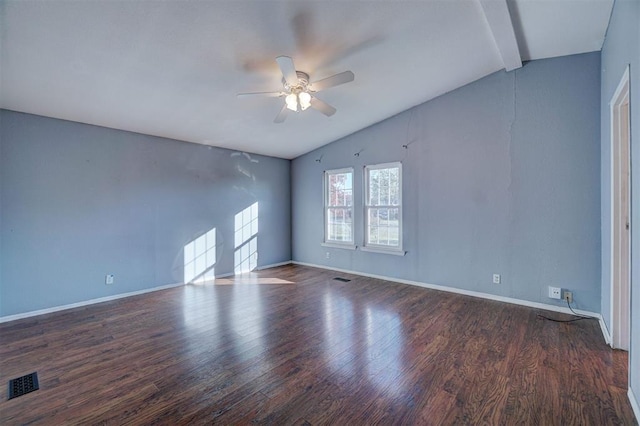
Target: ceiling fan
x,y
299,92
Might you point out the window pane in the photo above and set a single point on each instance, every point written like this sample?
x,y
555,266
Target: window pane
x,y
372,234
383,235
384,186
374,188
339,224
337,229
348,197
375,215
339,187
333,196
384,226
331,218
346,226
384,222
346,232
394,236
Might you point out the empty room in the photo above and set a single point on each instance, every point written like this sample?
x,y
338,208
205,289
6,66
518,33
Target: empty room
x,y
320,212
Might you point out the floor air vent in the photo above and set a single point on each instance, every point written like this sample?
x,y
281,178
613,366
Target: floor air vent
x,y
344,280
22,385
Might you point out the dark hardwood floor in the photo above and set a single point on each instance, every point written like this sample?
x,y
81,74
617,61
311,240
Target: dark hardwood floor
x,y
290,345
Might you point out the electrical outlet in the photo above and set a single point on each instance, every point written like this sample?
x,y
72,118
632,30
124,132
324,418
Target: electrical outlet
x,y
108,280
496,278
328,255
555,292
568,296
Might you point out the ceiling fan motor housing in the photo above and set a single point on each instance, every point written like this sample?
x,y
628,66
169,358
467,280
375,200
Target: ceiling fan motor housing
x,y
303,82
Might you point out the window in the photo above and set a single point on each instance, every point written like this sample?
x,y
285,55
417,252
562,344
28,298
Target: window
x,y
338,207
383,207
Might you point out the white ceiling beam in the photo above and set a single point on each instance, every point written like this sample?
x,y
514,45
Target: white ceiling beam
x,y
499,19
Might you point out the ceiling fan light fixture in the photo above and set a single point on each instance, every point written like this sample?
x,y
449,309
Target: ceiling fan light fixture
x,y
305,100
292,101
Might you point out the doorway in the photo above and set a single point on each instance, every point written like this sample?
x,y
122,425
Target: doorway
x,y
620,215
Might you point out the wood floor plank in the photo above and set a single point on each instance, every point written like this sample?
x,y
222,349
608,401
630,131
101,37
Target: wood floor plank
x,y
309,351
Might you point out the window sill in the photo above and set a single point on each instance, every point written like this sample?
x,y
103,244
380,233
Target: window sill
x,y
340,246
394,252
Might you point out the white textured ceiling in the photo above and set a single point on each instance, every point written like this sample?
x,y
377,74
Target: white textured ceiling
x,y
173,68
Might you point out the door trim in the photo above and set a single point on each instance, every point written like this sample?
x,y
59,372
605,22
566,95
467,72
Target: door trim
x,y
619,98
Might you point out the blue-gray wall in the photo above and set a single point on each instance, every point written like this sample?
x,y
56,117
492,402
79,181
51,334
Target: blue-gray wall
x,y
78,202
500,176
622,48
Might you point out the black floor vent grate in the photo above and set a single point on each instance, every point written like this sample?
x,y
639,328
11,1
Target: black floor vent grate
x,y
344,280
23,385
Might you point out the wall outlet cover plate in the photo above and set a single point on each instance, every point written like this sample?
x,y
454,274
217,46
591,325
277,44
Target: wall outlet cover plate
x,y
555,293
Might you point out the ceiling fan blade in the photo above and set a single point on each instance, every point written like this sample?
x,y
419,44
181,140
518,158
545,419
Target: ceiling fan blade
x,y
288,70
334,80
282,115
267,94
322,106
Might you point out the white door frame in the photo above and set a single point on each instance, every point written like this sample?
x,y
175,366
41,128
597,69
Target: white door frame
x,y
620,215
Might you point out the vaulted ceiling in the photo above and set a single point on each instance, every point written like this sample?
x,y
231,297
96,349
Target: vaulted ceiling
x,y
173,68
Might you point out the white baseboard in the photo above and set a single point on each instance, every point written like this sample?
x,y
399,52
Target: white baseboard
x,y
478,294
481,295
605,332
259,268
114,297
84,303
274,265
634,403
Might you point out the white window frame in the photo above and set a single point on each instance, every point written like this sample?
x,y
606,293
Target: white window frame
x,y
382,248
337,243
